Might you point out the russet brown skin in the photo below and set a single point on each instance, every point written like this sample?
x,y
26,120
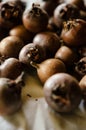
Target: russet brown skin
x,y
74,33
64,12
50,41
23,33
49,5
47,35
10,95
11,13
31,52
11,68
67,55
10,46
62,93
35,19
49,67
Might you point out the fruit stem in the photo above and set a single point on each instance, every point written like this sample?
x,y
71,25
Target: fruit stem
x,y
35,65
19,80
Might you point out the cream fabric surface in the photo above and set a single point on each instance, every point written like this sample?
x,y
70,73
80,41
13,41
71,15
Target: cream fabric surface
x,y
36,115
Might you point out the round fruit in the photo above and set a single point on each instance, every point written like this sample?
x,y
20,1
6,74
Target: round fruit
x,y
62,93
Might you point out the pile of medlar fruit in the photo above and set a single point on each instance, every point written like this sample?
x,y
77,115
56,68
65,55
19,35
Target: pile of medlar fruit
x,y
49,37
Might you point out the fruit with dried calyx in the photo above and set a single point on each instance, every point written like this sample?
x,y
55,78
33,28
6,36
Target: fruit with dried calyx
x,y
74,33
10,95
35,19
62,93
49,67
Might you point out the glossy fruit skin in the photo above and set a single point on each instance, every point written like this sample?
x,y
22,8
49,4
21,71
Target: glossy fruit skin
x,y
10,46
64,12
35,19
74,33
23,33
11,13
67,55
11,68
49,67
10,97
62,93
50,41
31,52
47,5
